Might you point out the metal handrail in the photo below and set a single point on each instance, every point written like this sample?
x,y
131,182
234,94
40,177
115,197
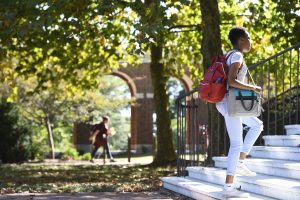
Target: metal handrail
x,y
254,66
186,94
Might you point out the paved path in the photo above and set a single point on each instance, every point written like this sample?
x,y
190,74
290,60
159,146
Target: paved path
x,y
119,161
93,196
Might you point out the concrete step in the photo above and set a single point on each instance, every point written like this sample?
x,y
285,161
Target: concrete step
x,y
284,153
282,140
282,168
271,186
200,190
292,129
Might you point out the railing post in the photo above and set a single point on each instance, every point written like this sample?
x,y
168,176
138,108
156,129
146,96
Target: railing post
x,y
129,148
297,97
276,76
268,130
290,91
178,142
282,81
154,143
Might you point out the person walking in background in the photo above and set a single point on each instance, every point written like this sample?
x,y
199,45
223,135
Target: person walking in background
x,y
100,135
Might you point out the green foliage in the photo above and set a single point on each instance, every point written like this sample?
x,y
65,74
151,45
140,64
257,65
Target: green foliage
x,y
287,16
86,156
63,136
182,48
15,135
38,141
78,38
76,41
70,153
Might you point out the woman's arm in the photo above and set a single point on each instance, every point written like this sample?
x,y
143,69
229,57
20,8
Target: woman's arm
x,y
96,132
233,82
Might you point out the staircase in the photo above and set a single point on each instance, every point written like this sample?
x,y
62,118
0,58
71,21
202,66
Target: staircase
x,y
277,165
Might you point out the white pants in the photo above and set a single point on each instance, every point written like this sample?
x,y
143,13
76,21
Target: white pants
x,y
235,131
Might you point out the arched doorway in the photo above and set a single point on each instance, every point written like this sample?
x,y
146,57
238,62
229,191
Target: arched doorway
x,y
176,86
133,117
81,130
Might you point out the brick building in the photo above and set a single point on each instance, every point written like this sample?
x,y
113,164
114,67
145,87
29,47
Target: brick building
x,y
139,81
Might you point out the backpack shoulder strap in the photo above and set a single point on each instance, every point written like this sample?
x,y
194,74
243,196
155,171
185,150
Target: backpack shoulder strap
x,y
231,53
228,55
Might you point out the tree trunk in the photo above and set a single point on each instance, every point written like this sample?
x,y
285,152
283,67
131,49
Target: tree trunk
x,y
165,147
210,47
50,137
165,152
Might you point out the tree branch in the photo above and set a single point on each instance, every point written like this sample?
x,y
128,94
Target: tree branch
x,y
185,26
184,31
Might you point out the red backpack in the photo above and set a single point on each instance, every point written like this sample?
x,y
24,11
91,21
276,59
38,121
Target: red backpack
x,y
213,87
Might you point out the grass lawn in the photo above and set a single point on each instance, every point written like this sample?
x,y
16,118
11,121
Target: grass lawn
x,y
17,178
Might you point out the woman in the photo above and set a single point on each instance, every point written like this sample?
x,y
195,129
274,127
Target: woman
x,y
101,132
238,150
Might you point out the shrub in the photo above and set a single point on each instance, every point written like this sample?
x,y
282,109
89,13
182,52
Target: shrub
x,y
86,156
15,135
70,153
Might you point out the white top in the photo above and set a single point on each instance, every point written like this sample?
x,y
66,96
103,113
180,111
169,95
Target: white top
x,y
234,58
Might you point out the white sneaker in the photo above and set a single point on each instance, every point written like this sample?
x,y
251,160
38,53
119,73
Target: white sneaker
x,y
243,170
234,193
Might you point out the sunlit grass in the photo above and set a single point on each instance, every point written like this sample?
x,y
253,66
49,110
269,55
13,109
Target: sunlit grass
x,y
80,178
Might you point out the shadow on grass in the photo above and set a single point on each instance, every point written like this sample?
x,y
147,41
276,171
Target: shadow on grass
x,y
81,178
